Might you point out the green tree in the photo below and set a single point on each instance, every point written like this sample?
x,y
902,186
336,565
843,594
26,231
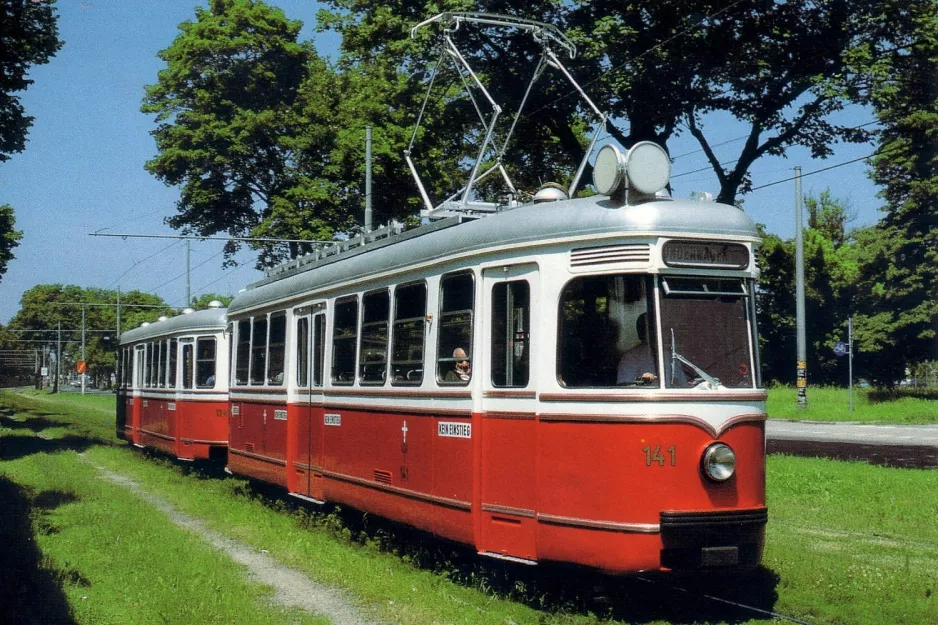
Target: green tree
x,y
9,238
898,290
243,113
202,301
44,307
831,270
28,36
781,68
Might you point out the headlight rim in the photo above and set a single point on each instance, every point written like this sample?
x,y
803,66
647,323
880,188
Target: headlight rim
x,y
707,458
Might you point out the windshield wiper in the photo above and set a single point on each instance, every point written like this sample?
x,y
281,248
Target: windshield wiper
x,y
712,383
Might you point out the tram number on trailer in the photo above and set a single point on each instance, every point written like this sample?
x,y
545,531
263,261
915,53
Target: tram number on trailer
x,y
654,455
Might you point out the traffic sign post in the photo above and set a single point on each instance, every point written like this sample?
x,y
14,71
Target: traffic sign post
x,y
844,349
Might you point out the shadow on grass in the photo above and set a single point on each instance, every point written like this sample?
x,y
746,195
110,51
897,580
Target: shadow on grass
x,y
34,423
30,592
550,587
17,446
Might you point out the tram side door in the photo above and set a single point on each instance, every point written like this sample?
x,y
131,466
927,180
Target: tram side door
x,y
509,407
311,337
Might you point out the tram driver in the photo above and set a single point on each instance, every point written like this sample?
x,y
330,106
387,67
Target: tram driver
x,y
637,365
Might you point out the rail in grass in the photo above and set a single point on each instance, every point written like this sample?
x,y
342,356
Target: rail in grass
x,y
568,380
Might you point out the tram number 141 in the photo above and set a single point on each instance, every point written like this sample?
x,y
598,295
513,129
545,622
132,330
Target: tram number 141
x,y
653,454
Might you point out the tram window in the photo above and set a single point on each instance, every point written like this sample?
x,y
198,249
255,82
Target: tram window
x,y
344,341
243,356
302,352
161,364
376,308
606,333
187,364
173,347
149,378
454,344
141,365
410,313
258,350
511,333
706,323
276,352
319,353
205,363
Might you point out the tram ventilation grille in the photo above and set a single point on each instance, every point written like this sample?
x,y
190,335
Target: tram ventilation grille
x,y
631,253
383,477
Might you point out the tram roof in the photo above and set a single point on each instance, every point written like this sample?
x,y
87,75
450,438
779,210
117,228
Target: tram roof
x,y
208,319
528,224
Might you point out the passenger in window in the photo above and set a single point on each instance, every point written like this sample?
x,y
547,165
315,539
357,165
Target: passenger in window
x,y
462,369
637,366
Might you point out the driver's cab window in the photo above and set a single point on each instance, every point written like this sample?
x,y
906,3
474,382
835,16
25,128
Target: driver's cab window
x,y
606,333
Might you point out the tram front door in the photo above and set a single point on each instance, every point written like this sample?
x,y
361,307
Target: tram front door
x,y
509,412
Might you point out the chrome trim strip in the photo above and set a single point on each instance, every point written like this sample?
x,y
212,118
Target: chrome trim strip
x,y
499,556
305,498
279,401
522,512
656,396
516,416
612,526
396,490
646,419
247,454
195,441
417,411
165,437
510,394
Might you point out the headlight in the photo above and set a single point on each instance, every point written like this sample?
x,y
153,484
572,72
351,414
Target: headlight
x,y
719,462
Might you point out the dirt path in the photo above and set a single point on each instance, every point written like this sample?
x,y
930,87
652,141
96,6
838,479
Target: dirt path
x,y
292,588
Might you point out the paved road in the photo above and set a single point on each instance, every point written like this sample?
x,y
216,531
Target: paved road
x,y
893,445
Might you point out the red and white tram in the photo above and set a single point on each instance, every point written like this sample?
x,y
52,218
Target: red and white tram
x,y
574,380
173,386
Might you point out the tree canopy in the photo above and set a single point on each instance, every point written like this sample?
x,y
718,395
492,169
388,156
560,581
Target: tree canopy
x,y
28,36
898,296
9,237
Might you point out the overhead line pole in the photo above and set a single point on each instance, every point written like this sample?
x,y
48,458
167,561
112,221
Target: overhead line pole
x,y
801,379
83,374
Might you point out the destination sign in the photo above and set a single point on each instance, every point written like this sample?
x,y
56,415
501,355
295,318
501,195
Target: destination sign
x,y
705,254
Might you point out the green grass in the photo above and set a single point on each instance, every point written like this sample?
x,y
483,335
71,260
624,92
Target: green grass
x,y
832,404
847,543
81,549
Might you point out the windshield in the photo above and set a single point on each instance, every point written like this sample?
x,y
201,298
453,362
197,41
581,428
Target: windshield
x,y
705,329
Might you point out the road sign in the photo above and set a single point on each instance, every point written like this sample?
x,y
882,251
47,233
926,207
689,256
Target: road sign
x,y
81,366
840,349
44,371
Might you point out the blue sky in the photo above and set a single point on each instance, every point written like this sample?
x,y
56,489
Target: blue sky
x,y
82,169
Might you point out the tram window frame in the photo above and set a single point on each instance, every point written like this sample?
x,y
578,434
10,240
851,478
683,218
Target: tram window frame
x,y
456,326
409,334
260,327
142,362
161,364
276,348
603,318
319,353
344,312
187,358
200,360
373,338
148,381
302,351
243,353
172,362
505,365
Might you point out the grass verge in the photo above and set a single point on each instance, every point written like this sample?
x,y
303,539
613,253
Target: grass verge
x,y
833,404
846,543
